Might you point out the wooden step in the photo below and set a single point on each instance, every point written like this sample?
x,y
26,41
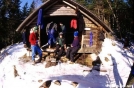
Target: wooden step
x,y
93,31
87,42
88,37
87,50
44,53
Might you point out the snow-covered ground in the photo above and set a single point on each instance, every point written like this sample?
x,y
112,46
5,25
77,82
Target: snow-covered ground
x,y
118,69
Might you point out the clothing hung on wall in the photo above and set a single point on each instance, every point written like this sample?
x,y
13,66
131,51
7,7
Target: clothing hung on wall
x,y
91,39
74,23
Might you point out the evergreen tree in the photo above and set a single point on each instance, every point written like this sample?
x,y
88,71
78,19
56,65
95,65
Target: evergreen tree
x,y
25,10
119,13
10,19
32,7
112,13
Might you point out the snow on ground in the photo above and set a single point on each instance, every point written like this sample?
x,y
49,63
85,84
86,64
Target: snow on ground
x,y
29,75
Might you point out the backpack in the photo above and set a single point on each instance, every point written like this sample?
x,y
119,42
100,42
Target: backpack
x,y
101,36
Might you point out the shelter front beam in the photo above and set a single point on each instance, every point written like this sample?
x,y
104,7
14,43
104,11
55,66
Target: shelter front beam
x,y
82,13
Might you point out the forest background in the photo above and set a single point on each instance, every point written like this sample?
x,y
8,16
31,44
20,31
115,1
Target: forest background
x,y
117,14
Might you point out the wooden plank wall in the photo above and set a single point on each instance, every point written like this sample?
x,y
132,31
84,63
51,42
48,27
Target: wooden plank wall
x,y
60,10
89,24
86,37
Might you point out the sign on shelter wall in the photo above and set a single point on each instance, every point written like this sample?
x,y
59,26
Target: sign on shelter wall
x,y
89,24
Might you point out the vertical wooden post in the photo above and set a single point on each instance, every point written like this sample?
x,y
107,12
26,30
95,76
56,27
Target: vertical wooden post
x,y
39,37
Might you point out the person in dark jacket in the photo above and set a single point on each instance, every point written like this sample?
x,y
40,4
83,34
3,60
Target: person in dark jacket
x,y
24,36
60,46
34,44
126,43
101,36
63,29
74,48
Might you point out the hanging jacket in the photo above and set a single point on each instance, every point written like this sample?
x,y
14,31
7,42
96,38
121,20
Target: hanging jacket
x,y
91,39
74,23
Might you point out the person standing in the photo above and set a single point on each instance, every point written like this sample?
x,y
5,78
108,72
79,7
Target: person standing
x,y
51,37
24,38
60,46
34,44
51,30
63,29
74,48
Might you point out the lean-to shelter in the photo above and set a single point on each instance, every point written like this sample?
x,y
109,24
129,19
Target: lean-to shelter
x,y
90,27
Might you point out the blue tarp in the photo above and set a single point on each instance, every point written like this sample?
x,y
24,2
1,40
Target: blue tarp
x,y
40,19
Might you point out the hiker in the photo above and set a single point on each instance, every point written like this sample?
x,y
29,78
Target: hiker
x,y
34,45
101,37
60,46
71,51
24,38
126,43
63,29
51,31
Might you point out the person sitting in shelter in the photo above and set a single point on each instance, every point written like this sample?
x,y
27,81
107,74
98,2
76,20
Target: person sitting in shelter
x,y
60,46
34,44
71,51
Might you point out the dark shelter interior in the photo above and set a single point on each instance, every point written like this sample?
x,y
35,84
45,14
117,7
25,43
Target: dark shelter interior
x,y
66,20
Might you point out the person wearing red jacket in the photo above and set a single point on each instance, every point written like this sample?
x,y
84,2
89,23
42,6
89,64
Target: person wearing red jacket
x,y
34,44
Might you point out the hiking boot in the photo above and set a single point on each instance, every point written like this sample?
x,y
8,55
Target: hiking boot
x,y
33,62
66,59
39,60
71,62
49,46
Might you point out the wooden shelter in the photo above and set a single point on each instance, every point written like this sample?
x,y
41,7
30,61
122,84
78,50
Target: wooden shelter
x,y
64,11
